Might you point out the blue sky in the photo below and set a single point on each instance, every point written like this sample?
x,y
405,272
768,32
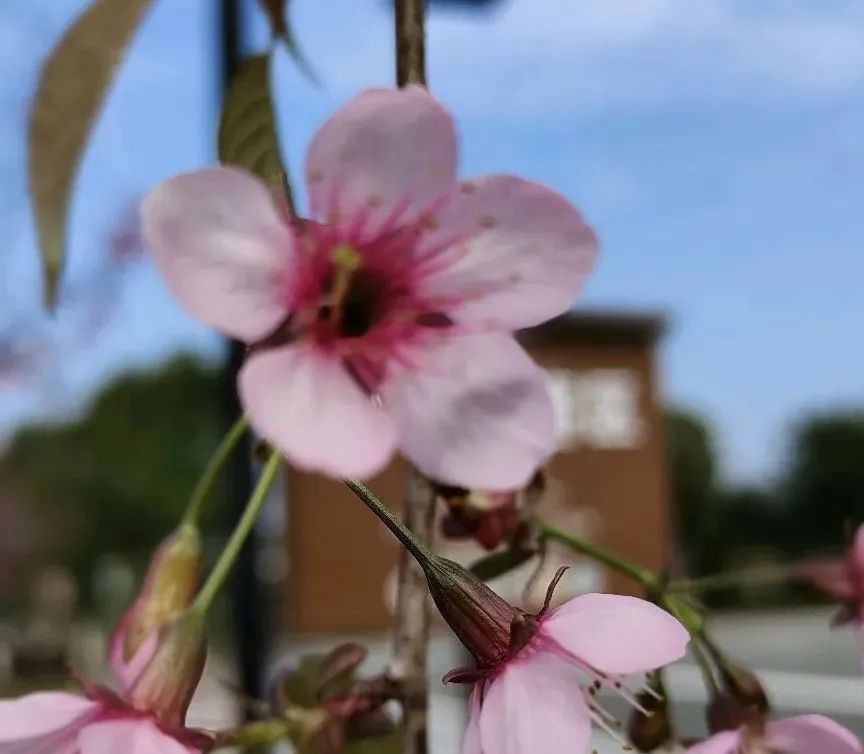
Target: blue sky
x,y
716,147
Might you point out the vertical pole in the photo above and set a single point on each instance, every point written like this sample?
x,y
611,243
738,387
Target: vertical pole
x,y
247,606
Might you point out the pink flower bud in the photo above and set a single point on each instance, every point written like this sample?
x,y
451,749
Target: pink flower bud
x,y
166,685
168,588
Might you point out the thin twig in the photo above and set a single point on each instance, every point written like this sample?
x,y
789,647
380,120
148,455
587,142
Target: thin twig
x,y
410,42
411,630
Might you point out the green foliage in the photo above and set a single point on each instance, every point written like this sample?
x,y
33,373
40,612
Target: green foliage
x,y
824,486
73,85
247,126
691,462
117,480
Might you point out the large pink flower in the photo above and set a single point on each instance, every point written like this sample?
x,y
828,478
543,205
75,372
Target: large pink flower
x,y
540,697
805,734
384,319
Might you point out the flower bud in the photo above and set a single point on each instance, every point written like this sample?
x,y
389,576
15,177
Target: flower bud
x,y
481,620
651,731
166,686
168,589
740,700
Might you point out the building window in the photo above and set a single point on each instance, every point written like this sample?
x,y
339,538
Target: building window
x,y
597,408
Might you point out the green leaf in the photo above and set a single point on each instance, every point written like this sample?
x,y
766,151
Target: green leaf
x,y
72,87
277,13
499,563
247,126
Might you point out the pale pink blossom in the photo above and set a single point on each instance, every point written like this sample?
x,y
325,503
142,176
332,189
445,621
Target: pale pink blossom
x,y
383,321
805,734
540,695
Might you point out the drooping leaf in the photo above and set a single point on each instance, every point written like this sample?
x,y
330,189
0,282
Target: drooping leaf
x,y
277,14
72,87
498,563
247,126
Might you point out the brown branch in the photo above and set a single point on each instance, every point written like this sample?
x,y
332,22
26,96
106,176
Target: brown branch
x,y
410,42
411,632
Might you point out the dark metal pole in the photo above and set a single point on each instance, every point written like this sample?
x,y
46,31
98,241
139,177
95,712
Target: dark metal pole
x,y
247,603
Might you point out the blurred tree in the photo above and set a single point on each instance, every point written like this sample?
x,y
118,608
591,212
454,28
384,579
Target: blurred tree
x,y
691,463
116,480
824,486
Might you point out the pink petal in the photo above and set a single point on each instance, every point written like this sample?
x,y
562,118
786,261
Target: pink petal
x,y
43,714
807,734
129,736
535,706
831,576
385,149
305,402
473,412
223,249
126,672
616,635
522,254
726,742
471,742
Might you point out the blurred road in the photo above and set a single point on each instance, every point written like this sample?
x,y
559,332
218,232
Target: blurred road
x,y
805,666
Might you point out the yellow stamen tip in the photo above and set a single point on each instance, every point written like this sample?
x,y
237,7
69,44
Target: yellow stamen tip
x,y
346,257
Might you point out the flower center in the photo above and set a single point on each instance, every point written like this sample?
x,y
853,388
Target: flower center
x,y
353,302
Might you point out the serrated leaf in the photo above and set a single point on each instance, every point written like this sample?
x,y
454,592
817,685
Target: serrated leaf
x,y
247,126
72,88
498,563
277,14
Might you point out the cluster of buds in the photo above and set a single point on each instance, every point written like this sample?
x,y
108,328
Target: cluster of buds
x,y
490,518
321,706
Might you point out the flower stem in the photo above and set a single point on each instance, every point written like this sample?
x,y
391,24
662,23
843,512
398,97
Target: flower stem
x,y
760,576
389,519
214,466
643,576
706,666
238,537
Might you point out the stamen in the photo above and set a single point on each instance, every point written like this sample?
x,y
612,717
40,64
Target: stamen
x,y
601,723
346,261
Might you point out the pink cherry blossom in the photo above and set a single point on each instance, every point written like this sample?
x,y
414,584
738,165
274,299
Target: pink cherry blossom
x,y
145,717
383,321
842,580
541,698
804,734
